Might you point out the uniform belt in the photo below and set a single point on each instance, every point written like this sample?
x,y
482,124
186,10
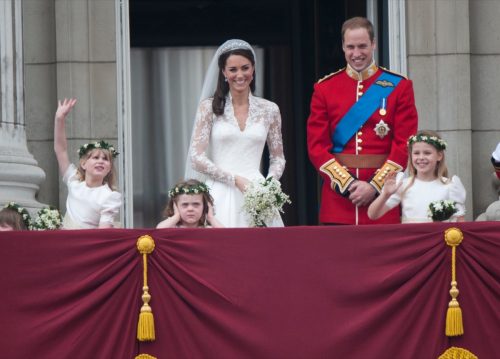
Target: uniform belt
x,y
361,161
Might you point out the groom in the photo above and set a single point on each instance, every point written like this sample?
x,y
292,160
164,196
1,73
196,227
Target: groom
x,y
361,117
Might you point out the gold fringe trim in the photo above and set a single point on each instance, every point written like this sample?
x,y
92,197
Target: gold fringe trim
x,y
330,75
146,325
454,324
144,356
457,353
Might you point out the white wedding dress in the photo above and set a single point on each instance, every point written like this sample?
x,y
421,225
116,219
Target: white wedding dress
x,y
221,150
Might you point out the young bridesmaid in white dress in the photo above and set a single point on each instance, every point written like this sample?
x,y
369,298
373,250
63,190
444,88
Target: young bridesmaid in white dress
x,y
190,206
230,131
428,182
93,201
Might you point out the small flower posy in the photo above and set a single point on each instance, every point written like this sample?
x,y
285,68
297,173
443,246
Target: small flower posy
x,y
263,200
198,189
439,143
22,211
97,145
442,210
48,218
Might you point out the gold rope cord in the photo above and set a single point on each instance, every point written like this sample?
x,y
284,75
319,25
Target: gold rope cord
x,y
454,324
146,325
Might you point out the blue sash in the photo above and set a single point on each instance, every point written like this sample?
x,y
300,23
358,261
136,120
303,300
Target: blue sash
x,y
361,111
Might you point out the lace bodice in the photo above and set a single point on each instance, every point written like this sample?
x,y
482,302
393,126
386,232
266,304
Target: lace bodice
x,y
221,150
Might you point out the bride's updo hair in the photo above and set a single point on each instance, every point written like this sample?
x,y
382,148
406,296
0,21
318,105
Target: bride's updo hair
x,y
219,101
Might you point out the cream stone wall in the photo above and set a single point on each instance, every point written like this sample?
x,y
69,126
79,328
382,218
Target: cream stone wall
x,y
453,57
20,175
485,97
453,52
40,90
70,51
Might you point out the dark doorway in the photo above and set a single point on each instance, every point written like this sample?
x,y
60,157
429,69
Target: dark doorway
x,y
302,43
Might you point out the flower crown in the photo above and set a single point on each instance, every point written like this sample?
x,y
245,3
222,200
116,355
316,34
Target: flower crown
x,y
25,215
102,145
188,189
437,142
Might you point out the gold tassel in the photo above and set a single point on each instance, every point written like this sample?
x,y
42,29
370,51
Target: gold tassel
x,y
454,323
145,356
146,325
457,353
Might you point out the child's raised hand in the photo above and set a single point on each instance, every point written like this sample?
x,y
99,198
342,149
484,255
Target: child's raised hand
x,y
390,184
177,214
212,220
60,141
65,107
211,212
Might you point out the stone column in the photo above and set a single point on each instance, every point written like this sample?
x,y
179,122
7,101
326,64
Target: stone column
x,y
485,92
439,65
20,176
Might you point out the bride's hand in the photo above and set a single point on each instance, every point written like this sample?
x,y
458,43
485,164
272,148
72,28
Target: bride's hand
x,y
241,183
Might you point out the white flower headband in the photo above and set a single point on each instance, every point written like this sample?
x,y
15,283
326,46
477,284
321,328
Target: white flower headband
x,y
437,142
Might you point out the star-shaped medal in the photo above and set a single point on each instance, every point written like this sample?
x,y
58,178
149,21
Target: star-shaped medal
x,y
381,129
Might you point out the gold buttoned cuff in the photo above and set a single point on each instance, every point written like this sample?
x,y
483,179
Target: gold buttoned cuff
x,y
378,180
339,176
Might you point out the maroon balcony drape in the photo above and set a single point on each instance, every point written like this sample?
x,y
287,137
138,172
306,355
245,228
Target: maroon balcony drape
x,y
298,292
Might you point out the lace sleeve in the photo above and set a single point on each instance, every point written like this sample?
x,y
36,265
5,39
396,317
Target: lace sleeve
x,y
275,145
200,142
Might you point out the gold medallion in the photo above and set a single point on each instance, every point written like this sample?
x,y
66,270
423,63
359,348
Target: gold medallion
x,y
381,129
382,111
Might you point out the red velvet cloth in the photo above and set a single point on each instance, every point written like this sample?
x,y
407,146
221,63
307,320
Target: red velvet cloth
x,y
377,291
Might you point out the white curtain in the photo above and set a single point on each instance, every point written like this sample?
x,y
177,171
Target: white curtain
x,y
166,83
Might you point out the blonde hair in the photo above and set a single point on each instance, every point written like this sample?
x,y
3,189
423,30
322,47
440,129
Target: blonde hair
x,y
441,170
110,178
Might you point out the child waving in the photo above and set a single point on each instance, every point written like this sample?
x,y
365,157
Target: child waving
x,y
427,183
93,201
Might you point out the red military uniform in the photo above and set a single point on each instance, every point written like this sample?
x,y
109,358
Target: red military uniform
x,y
378,147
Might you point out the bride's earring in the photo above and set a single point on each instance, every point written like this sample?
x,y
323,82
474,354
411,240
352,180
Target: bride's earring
x,y
225,79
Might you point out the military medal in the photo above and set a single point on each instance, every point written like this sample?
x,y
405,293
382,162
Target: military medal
x,y
381,129
382,110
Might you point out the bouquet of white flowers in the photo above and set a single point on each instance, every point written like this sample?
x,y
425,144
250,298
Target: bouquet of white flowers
x,y
263,200
442,210
47,218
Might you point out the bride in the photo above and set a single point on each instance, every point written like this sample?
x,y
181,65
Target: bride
x,y
230,131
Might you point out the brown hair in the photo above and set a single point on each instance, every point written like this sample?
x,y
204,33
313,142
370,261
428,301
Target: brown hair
x,y
12,218
207,199
219,101
358,22
441,170
110,178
